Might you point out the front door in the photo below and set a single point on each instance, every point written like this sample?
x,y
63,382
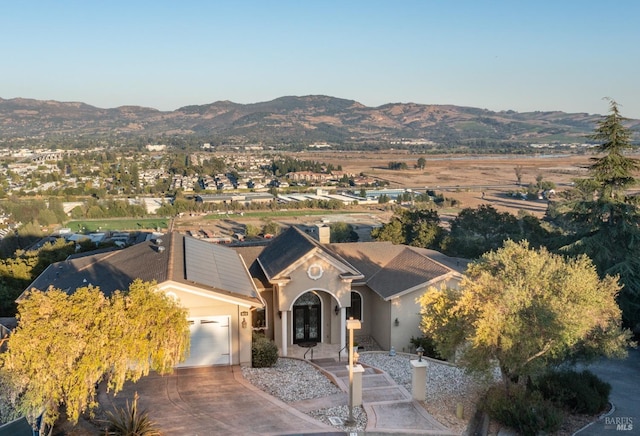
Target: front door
x,y
306,319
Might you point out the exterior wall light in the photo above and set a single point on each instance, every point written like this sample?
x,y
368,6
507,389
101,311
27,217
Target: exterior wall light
x,y
337,310
244,323
396,322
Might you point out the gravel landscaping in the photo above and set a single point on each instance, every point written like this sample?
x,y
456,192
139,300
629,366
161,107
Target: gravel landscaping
x,y
293,380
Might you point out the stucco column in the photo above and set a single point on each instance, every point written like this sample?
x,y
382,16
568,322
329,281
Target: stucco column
x,y
283,328
356,392
419,380
343,331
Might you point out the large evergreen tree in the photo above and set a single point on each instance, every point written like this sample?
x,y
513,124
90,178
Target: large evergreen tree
x,y
603,217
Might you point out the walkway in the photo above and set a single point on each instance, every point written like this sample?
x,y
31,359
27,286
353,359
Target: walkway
x,y
212,401
389,407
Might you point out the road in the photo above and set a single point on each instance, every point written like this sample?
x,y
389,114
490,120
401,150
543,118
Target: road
x,y
624,377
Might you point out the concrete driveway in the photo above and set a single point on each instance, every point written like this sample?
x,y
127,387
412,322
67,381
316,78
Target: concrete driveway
x,y
213,401
624,377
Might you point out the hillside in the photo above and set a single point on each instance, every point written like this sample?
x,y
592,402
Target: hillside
x,y
297,120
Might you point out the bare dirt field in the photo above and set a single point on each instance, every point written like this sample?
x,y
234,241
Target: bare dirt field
x,y
471,180
465,178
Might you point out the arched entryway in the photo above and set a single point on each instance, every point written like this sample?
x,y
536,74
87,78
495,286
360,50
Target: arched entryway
x,y
307,319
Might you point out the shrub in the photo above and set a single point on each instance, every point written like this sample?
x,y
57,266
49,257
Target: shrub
x,y
527,412
429,346
264,352
130,422
578,392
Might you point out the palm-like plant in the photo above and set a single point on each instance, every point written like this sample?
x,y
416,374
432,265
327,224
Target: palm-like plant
x,y
130,422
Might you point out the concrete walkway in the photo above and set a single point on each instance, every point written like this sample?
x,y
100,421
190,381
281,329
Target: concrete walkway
x,y
389,407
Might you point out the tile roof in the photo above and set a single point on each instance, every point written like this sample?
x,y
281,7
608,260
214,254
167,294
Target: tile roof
x,y
110,271
284,250
177,258
391,269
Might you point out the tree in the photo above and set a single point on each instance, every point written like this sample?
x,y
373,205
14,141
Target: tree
x,y
476,231
65,344
270,227
613,171
343,232
416,227
518,170
422,162
525,309
603,219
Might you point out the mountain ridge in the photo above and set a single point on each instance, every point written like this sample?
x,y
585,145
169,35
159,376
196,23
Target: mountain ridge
x,y
297,119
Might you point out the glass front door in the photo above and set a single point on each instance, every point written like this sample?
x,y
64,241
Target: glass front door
x,y
306,319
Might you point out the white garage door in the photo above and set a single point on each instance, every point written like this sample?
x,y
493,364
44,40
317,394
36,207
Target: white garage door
x,y
210,342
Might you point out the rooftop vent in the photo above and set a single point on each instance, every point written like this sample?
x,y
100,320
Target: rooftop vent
x,y
161,249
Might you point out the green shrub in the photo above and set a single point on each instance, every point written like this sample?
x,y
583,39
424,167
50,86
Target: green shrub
x,y
527,412
429,346
130,422
578,392
264,352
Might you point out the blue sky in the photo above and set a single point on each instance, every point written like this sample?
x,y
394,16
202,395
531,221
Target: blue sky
x,y
499,55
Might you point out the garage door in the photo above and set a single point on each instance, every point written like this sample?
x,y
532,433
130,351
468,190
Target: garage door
x,y
210,342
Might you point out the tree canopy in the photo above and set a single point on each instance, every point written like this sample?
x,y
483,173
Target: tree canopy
x,y
416,227
525,309
602,217
67,343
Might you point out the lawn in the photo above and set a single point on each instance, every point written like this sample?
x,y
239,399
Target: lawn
x,y
117,224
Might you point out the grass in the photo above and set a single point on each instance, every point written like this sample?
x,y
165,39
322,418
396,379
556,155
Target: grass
x,y
117,224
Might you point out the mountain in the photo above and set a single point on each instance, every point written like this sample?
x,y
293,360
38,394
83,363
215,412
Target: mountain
x,y
296,120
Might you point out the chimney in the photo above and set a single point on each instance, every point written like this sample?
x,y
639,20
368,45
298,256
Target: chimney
x,y
324,234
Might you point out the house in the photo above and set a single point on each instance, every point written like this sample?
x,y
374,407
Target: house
x,y
311,287
296,289
210,281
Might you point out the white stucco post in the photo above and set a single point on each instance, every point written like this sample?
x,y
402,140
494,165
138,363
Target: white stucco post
x,y
343,330
283,328
419,380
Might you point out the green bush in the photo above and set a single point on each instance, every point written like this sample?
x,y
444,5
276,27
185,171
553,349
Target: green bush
x,y
527,412
578,392
264,352
429,346
131,422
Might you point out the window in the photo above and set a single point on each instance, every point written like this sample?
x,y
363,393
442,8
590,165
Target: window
x,y
355,310
259,318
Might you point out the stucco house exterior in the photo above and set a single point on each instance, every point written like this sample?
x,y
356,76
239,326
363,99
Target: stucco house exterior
x,y
299,288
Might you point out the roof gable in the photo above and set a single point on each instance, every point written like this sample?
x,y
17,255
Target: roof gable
x,y
391,270
291,247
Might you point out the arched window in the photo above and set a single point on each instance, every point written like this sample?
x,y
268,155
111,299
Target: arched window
x,y
355,310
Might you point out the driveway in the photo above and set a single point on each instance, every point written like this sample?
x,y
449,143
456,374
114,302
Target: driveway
x,y
212,401
624,377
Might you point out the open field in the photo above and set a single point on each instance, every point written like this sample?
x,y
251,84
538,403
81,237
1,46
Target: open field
x,y
84,226
465,178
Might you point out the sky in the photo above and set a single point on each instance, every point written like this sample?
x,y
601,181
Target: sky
x,y
517,55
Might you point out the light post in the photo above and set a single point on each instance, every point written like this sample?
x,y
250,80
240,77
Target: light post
x,y
352,324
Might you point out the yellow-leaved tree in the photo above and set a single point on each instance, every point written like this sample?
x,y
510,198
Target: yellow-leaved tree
x,y
523,310
65,344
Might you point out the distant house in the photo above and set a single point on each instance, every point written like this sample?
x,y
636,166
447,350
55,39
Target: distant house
x,y
296,289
